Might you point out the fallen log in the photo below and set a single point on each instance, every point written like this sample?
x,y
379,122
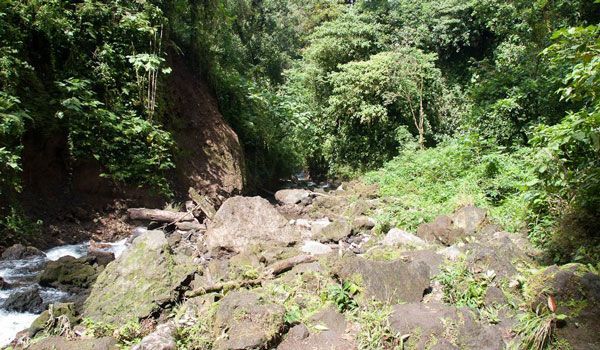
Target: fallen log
x,y
284,265
158,215
272,271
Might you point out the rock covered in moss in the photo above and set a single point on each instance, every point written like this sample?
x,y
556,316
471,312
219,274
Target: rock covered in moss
x,y
243,222
138,282
387,281
69,274
59,343
245,320
60,309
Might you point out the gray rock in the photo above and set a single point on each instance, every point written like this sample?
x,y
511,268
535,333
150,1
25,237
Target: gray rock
x,y
161,339
244,222
292,196
430,258
469,219
138,282
400,237
440,230
19,251
331,334
454,228
576,290
450,327
315,248
316,226
101,257
4,284
362,222
494,296
387,281
26,300
451,253
334,232
246,321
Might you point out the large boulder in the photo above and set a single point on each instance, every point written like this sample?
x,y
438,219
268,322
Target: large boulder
x,y
69,274
330,332
19,251
245,222
26,300
245,320
430,325
292,196
387,281
142,279
448,230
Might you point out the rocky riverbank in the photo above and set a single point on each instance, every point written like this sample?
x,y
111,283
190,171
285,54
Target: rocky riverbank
x,y
315,271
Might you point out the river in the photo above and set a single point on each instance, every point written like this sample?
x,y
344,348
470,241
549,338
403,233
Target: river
x,y
23,274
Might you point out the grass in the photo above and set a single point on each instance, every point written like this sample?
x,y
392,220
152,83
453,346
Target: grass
x,y
463,287
375,332
537,330
420,185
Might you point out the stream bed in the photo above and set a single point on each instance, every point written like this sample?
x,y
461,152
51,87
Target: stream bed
x,y
22,274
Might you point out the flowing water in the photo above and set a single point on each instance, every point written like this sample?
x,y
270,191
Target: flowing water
x,y
23,274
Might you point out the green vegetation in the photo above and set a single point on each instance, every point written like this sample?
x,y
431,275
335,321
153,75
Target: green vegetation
x,y
342,295
462,287
422,184
537,329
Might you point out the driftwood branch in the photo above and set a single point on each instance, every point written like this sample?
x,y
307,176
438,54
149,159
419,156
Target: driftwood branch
x,y
190,225
203,203
272,271
284,265
159,215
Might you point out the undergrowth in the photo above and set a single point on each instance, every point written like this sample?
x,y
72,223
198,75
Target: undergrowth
x,y
423,184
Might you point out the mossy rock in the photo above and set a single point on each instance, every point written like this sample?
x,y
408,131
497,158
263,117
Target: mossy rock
x,y
245,320
145,277
59,309
69,274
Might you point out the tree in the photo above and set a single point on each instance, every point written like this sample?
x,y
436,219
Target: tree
x,y
373,100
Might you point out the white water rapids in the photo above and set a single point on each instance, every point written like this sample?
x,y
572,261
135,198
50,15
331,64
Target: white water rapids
x,y
23,274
